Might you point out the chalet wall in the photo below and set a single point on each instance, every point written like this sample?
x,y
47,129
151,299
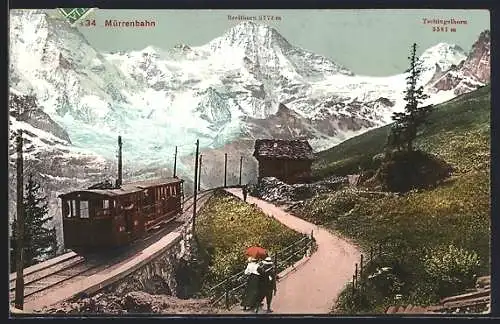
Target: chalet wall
x,y
290,171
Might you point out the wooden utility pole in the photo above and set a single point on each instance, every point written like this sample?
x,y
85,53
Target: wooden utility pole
x,y
241,166
175,162
225,170
199,173
19,301
195,191
120,176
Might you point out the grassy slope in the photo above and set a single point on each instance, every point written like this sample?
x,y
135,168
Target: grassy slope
x,y
226,226
457,212
467,116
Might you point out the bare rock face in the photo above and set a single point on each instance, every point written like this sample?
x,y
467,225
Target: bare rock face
x,y
473,72
276,191
26,109
138,302
478,62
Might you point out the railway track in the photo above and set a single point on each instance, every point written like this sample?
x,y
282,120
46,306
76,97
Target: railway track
x,y
71,267
40,281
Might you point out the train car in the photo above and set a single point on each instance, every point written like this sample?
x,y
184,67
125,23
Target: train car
x,y
104,218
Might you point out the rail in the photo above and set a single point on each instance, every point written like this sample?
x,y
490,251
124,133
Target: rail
x,y
230,289
64,270
58,271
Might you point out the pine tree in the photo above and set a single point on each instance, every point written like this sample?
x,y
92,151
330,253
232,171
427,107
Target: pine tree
x,y
39,241
406,124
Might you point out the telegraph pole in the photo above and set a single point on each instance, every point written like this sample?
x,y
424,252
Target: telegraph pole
x,y
19,301
241,166
195,191
225,170
199,173
120,171
175,162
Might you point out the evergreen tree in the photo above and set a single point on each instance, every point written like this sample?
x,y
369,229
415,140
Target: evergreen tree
x,y
406,123
39,241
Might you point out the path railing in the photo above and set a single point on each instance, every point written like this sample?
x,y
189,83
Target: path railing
x,y
230,290
377,251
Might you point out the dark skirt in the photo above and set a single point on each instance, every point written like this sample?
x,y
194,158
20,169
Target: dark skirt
x,y
252,292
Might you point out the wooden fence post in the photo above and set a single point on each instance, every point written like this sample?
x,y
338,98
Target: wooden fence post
x,y
361,266
226,295
356,273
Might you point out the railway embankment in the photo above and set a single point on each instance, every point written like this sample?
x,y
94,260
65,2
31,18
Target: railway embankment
x,y
129,280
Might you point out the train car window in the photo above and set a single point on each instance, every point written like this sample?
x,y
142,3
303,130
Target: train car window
x,y
93,207
129,206
84,209
66,209
73,208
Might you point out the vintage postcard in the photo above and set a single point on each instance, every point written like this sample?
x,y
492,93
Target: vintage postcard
x,y
249,162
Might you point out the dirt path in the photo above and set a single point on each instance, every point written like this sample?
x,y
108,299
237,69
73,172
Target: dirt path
x,y
313,288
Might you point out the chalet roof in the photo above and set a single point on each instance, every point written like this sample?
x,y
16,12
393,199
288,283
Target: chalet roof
x,y
127,188
283,149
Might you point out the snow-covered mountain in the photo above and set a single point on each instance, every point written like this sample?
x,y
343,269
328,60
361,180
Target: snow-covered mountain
x,y
250,82
187,92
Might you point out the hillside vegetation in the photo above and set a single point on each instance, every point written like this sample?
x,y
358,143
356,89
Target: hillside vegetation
x,y
434,241
465,121
226,226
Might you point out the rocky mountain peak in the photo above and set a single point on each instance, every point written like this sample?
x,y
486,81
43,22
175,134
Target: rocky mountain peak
x,y
249,35
478,60
472,72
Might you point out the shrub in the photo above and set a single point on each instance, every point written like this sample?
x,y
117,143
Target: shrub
x,y
453,268
352,301
403,171
328,207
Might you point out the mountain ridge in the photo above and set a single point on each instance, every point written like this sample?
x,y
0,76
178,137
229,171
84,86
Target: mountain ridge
x,y
157,100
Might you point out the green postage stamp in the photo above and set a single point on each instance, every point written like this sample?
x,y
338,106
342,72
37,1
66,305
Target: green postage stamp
x,y
73,15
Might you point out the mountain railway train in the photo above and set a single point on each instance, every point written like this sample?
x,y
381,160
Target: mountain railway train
x,y
105,215
96,219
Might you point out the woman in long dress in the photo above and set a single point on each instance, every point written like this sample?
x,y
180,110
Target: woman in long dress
x,y
252,292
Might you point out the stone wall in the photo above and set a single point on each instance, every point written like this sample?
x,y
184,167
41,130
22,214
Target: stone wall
x,y
162,274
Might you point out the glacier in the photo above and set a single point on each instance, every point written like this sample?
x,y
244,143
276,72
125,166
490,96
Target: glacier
x,y
157,99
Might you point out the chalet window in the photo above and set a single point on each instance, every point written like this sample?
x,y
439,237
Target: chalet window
x,y
84,209
105,204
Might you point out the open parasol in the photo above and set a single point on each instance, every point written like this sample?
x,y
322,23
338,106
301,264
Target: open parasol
x,y
256,252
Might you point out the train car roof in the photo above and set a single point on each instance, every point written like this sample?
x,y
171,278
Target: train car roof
x,y
127,188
